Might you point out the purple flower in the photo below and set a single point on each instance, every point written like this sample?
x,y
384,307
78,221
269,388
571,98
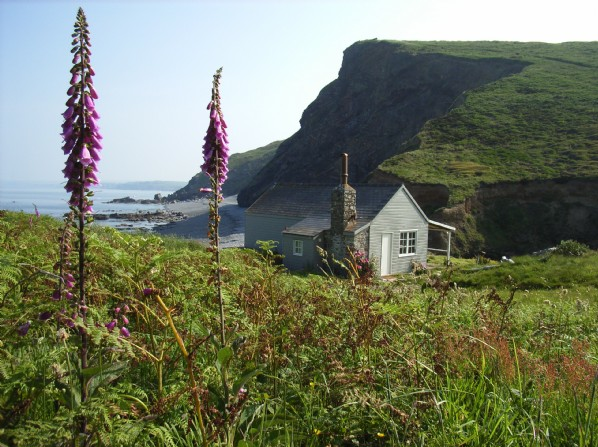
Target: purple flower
x,y
148,291
68,133
80,130
68,113
91,179
110,326
69,281
125,320
95,141
85,156
215,148
95,154
23,329
88,101
92,92
124,332
44,316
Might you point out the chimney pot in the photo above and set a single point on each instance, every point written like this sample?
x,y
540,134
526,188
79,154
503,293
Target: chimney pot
x,y
345,169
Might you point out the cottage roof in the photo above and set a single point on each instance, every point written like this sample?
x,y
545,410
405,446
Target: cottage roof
x,y
312,202
310,226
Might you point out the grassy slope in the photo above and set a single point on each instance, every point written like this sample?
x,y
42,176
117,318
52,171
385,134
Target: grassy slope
x,y
242,168
539,124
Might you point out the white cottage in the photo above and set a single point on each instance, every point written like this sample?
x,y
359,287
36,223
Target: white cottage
x,y
384,221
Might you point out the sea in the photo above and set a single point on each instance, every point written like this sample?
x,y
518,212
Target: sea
x,y
51,199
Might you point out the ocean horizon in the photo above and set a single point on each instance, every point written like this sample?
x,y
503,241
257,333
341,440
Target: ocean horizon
x,y
50,198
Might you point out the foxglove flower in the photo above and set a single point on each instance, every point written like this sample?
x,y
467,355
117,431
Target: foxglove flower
x,y
215,155
80,130
215,148
23,329
44,316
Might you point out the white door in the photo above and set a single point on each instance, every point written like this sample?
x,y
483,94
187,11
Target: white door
x,y
386,254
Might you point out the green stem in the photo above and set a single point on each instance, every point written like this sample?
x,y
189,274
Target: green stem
x,y
192,382
82,302
216,251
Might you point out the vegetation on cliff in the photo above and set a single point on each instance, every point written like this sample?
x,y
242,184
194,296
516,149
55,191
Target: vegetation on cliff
x,y
541,123
242,168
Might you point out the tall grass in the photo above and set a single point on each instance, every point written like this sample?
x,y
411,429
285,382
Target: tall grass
x,y
317,360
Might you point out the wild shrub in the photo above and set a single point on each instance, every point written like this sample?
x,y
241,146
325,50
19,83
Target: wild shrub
x,y
571,248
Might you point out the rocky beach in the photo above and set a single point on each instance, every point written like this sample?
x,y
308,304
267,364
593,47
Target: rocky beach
x,y
195,226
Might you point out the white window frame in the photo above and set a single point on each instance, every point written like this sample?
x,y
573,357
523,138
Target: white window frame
x,y
407,243
297,247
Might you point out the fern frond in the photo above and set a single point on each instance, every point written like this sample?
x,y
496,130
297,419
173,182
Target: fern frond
x,y
10,272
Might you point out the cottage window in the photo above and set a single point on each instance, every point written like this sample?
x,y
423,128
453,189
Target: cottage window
x,y
297,247
407,242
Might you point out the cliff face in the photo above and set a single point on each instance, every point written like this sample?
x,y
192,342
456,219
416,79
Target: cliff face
x,y
381,99
521,217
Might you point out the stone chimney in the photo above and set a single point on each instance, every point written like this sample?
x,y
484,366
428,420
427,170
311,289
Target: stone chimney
x,y
343,212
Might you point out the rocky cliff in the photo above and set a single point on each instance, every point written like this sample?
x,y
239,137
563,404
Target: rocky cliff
x,y
513,218
380,101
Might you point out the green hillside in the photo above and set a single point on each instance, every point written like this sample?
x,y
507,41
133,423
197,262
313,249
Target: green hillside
x,y
242,168
539,124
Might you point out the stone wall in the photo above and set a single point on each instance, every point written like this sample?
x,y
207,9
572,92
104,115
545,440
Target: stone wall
x,y
342,212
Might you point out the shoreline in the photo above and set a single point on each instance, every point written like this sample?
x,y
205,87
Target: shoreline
x,y
195,226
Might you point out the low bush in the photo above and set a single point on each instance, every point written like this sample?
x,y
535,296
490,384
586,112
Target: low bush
x,y
571,248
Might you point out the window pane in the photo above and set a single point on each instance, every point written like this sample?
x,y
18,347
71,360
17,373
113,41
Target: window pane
x,y
298,247
407,242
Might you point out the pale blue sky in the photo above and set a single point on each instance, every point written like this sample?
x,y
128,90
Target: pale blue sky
x,y
154,62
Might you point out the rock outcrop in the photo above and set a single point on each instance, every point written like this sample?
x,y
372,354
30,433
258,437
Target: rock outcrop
x,y
521,217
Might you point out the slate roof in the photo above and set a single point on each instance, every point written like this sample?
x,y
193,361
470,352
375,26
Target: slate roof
x,y
310,226
312,203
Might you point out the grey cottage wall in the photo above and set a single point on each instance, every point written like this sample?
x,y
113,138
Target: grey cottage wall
x,y
401,213
266,227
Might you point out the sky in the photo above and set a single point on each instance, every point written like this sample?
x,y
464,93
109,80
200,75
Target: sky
x,y
154,62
